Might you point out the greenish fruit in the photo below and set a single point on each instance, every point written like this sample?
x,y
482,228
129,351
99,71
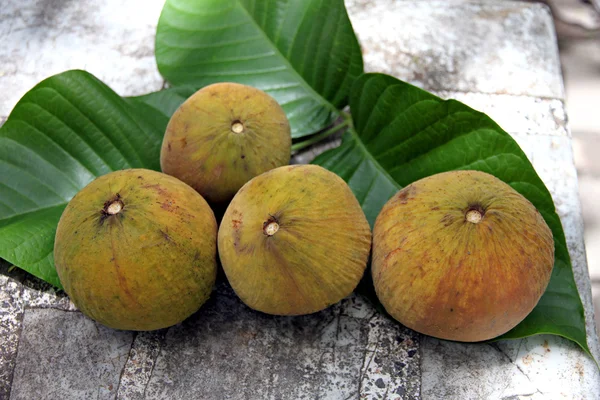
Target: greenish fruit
x,y
294,240
136,250
461,256
224,135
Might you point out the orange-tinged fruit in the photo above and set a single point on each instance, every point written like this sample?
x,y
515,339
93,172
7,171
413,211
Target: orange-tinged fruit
x,y
294,240
136,250
224,135
461,256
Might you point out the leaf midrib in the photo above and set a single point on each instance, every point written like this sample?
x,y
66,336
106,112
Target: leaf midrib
x,y
288,65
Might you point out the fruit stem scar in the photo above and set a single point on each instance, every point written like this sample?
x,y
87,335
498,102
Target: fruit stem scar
x,y
115,207
237,126
473,216
271,226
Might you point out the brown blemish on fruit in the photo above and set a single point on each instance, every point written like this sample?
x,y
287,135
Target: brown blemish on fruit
x,y
391,253
386,263
218,171
283,262
236,215
404,194
159,189
169,146
167,205
165,235
447,219
122,282
183,141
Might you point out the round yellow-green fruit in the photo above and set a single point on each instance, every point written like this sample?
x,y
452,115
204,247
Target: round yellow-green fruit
x,y
294,240
224,135
136,250
461,256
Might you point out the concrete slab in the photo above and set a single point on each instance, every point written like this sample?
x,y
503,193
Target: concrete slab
x,y
227,350
474,46
111,39
66,355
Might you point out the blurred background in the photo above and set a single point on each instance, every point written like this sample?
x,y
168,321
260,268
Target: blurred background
x,y
578,31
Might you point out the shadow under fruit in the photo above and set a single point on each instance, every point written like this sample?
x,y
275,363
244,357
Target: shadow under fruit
x,y
461,256
136,250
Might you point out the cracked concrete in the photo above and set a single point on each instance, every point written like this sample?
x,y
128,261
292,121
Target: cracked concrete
x,y
67,355
11,318
140,365
224,349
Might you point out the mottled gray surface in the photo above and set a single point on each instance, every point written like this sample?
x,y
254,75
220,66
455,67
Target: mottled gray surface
x,y
238,353
112,39
140,364
500,58
475,46
65,355
11,317
225,350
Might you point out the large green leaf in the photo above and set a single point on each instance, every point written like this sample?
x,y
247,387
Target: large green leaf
x,y
302,52
66,131
402,134
168,100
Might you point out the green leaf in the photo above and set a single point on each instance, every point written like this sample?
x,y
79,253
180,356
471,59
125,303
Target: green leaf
x,y
402,134
168,100
66,131
302,52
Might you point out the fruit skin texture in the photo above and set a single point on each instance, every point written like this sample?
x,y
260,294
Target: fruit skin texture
x,y
150,265
317,253
203,148
442,275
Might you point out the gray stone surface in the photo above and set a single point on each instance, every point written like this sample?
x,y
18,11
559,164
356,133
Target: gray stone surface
x,y
228,351
499,58
499,47
140,365
65,355
11,317
112,39
517,114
